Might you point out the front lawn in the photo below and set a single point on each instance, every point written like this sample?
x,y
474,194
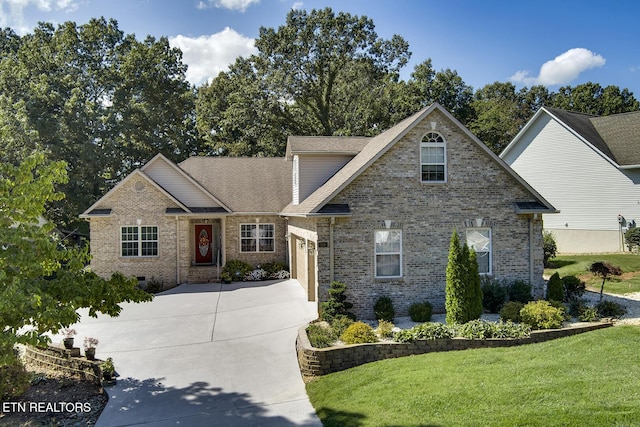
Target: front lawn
x,y
578,265
551,383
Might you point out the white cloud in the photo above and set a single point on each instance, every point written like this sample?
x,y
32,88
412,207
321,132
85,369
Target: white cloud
x,y
12,11
297,5
562,69
239,5
206,56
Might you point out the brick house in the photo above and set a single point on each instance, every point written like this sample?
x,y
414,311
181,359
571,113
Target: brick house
x,y
376,213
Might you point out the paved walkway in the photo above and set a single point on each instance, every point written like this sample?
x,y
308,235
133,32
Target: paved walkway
x,y
207,355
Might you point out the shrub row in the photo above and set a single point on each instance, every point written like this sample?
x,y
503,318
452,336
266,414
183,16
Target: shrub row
x,y
474,329
237,270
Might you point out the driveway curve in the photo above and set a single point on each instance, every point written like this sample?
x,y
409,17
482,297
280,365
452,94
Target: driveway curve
x,y
207,355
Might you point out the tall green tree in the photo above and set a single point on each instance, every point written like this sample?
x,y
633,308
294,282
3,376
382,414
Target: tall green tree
x,y
463,292
97,99
43,282
322,73
591,98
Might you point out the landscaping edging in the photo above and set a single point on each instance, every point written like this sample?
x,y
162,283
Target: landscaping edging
x,y
321,361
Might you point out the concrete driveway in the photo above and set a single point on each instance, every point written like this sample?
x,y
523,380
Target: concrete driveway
x,y
207,355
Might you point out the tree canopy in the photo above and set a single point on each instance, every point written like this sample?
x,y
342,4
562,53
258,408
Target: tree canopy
x,y
44,281
101,101
105,102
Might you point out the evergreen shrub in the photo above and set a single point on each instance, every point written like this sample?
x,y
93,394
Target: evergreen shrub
x,y
421,311
383,309
555,288
511,311
494,294
520,291
542,315
359,333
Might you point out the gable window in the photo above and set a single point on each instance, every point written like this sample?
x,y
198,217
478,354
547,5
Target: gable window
x,y
433,158
388,252
480,240
139,241
257,237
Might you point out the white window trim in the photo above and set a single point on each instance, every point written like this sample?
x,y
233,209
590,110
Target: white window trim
x,y
490,272
139,241
257,238
443,144
375,254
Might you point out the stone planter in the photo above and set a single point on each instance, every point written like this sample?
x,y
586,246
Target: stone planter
x,y
68,343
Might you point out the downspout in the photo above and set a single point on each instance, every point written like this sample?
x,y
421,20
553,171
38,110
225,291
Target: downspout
x,y
331,267
177,251
531,265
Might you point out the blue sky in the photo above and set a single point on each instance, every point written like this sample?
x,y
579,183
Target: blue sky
x,y
554,43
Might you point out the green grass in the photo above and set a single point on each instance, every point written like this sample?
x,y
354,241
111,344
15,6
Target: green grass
x,y
578,265
555,383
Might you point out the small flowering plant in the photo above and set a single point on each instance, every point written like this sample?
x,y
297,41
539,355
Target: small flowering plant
x,y
90,342
68,332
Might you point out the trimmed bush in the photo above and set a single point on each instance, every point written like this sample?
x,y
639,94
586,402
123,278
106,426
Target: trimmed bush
x,y
555,289
340,323
482,329
337,303
421,311
511,311
383,309
385,329
520,291
542,315
320,336
359,333
610,309
237,269
549,247
573,287
425,331
494,295
475,329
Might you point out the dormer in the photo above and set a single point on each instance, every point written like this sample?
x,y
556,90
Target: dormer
x,y
317,158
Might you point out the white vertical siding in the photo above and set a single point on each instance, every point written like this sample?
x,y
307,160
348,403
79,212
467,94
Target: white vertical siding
x,y
178,185
315,170
588,189
296,181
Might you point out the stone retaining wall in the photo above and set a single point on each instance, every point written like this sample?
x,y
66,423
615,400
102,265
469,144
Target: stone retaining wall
x,y
66,361
321,361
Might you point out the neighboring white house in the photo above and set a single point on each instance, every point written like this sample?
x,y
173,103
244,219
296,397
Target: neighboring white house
x,y
588,167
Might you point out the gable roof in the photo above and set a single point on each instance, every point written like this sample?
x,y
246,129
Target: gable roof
x,y
616,137
244,184
374,149
92,211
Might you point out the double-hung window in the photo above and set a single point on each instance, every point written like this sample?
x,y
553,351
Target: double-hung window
x,y
257,237
433,158
139,241
480,240
388,253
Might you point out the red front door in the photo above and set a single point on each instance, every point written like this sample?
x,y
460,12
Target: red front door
x,y
204,244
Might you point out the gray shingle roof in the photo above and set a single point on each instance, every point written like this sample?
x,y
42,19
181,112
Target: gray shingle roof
x,y
621,132
244,184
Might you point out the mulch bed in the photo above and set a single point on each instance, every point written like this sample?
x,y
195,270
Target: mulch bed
x,y
55,401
